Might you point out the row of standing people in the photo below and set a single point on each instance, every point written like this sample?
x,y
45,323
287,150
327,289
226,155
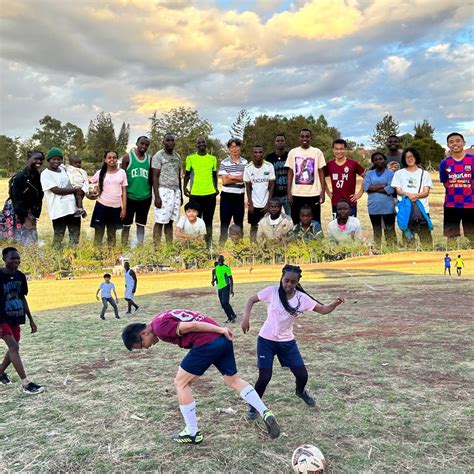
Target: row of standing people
x,y
298,178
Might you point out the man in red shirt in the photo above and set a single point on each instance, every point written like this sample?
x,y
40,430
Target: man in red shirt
x,y
341,176
209,344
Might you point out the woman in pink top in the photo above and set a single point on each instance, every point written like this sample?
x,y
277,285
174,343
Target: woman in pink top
x,y
276,338
111,206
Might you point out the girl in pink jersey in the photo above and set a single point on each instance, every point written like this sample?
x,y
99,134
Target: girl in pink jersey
x,y
111,206
284,303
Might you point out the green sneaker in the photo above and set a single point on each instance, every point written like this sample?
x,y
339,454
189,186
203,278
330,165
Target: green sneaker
x,y
271,423
185,437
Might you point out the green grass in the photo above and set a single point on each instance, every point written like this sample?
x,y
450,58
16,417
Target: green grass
x,y
389,369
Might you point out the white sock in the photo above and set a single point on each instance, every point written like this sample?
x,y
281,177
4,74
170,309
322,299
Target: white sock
x,y
25,382
189,415
249,394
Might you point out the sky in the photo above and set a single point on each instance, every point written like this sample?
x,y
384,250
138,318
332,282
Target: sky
x,y
353,61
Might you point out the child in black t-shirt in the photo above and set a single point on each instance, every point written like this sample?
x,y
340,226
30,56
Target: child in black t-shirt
x,y
13,308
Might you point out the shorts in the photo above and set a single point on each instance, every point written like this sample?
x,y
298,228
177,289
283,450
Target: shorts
x,y
106,216
255,217
139,209
219,352
287,352
11,330
171,202
129,295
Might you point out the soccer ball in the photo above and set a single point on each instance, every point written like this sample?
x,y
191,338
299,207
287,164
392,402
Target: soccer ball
x,y
308,459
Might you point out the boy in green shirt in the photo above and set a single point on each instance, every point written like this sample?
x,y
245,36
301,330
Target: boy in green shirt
x,y
225,287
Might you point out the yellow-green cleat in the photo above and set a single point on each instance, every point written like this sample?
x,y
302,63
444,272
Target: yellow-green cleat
x,y
271,423
185,438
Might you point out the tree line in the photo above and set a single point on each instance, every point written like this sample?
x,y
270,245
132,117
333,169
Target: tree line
x,y
186,124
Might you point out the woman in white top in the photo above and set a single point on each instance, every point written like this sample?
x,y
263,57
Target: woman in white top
x,y
415,183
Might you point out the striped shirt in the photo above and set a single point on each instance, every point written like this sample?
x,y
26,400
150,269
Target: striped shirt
x,y
229,168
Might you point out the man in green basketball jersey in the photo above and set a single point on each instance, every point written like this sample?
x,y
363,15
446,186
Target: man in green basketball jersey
x,y
201,170
137,166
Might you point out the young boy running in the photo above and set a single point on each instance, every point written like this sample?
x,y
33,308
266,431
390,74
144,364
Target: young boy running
x,y
105,290
13,308
209,344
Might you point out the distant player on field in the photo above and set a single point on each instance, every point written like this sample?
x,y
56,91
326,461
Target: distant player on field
x,y
209,344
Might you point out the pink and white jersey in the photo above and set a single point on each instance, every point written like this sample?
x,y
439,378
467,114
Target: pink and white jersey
x,y
457,179
164,326
279,323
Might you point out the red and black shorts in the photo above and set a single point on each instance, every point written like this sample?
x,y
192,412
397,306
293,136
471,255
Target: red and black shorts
x,y
10,330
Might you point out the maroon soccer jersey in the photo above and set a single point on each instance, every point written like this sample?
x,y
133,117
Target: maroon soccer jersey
x,y
164,326
343,178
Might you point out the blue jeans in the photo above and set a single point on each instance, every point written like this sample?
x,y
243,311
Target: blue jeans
x,y
105,302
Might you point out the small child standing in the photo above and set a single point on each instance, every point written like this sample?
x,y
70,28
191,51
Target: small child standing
x,y
284,303
13,309
447,264
190,226
79,180
106,289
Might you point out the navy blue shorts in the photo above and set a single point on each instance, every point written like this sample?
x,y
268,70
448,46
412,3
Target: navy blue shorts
x,y
287,352
219,353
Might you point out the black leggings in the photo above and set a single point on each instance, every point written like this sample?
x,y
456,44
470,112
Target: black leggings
x,y
265,375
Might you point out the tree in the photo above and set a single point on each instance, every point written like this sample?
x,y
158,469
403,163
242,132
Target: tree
x,y
185,124
100,137
383,129
431,152
238,127
122,139
8,155
423,130
51,133
406,140
74,141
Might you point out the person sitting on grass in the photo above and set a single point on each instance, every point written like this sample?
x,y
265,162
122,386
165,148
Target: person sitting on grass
x,y
275,226
106,289
209,344
13,308
190,226
345,227
284,303
307,229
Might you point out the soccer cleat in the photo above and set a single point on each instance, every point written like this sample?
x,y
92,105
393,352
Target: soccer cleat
x,y
185,438
4,379
32,389
306,397
271,423
251,414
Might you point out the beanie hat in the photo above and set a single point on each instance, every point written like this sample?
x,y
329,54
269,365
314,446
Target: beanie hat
x,y
55,151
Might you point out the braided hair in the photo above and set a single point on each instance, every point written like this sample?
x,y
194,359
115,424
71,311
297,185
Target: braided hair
x,y
103,171
282,293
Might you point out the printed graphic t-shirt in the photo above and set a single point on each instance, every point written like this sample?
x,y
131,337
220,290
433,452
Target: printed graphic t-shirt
x,y
305,163
457,179
12,289
164,326
279,324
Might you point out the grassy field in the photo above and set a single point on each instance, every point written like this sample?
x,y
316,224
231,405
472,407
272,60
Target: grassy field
x,y
436,203
390,370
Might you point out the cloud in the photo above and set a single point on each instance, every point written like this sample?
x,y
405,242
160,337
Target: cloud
x,y
396,65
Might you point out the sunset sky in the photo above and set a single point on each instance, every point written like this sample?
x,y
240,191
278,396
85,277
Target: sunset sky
x,y
353,61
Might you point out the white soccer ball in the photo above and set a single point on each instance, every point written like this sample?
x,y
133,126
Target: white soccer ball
x,y
308,459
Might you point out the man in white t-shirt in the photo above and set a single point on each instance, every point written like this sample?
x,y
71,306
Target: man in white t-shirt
x,y
190,226
306,183
259,179
60,198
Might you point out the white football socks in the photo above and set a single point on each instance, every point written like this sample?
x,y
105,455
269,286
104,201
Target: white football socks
x,y
249,394
189,415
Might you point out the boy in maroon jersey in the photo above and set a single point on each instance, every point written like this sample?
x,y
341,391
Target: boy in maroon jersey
x,y
209,344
